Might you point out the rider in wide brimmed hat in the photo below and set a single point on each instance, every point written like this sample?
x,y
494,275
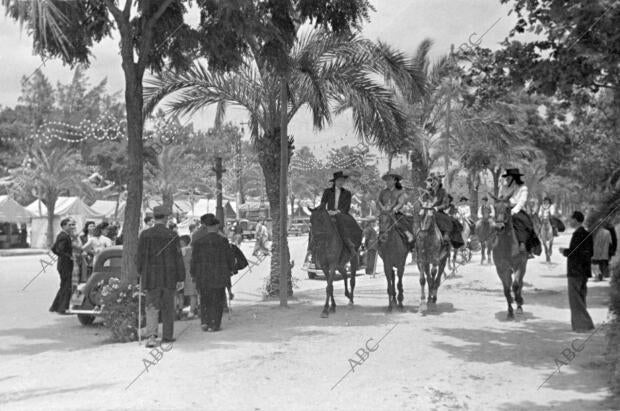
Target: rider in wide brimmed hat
x,y
440,200
337,202
523,225
546,214
392,199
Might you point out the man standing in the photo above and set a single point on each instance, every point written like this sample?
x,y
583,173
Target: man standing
x,y
160,265
211,267
262,236
370,246
579,256
63,248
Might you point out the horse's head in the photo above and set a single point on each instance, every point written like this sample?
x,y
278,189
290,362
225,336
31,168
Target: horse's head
x,y
428,219
503,218
319,219
386,222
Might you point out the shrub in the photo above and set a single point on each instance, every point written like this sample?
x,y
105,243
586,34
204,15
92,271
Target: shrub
x,y
120,309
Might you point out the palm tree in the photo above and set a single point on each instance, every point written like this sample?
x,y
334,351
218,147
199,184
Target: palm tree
x,y
328,75
51,172
169,173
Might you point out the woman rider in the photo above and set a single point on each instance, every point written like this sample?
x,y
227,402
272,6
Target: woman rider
x,y
523,225
441,201
391,200
337,202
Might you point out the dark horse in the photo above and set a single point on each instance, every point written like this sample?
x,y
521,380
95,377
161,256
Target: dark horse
x,y
331,254
432,255
486,236
509,262
393,251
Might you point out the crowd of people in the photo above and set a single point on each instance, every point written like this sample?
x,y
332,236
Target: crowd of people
x,y
197,267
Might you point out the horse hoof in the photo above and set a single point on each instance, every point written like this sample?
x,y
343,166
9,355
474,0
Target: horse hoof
x,y
510,316
389,309
332,309
519,310
346,294
350,303
324,314
423,307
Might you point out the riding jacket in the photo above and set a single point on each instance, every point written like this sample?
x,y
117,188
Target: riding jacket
x,y
329,198
518,199
392,200
545,213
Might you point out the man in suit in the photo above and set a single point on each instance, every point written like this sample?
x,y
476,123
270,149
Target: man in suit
x,y
337,202
212,264
63,248
160,265
579,256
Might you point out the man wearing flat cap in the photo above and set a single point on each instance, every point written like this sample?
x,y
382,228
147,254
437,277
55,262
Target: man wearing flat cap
x,y
337,202
212,265
160,266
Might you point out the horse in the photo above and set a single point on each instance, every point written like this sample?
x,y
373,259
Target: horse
x,y
545,234
330,253
432,255
486,235
509,262
393,251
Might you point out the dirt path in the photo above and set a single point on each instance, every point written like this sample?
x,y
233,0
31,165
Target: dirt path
x,y
464,356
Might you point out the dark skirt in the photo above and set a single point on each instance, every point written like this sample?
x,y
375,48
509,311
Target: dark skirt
x,y
524,230
450,225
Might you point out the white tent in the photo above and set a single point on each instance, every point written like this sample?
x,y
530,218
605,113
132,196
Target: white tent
x,y
13,212
107,208
65,207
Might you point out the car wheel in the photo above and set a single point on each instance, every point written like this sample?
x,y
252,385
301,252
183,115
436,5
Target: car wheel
x,y
85,319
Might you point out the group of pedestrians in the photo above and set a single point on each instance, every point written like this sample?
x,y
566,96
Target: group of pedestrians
x,y
162,268
587,249
76,253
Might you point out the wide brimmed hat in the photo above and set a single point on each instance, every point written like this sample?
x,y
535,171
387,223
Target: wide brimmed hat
x,y
547,198
485,198
337,175
209,220
463,198
160,210
512,172
396,177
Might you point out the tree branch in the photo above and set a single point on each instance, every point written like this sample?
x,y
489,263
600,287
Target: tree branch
x,y
116,12
147,35
127,9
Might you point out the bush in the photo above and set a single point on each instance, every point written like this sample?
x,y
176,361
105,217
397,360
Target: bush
x,y
120,309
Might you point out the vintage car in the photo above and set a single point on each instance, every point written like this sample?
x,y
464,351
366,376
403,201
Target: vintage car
x,y
86,299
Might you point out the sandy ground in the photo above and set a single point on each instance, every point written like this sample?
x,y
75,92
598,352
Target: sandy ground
x,y
465,356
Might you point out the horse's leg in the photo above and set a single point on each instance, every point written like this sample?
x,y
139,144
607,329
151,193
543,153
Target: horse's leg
x,y
517,287
506,278
490,252
329,289
401,271
389,275
343,271
422,269
482,251
354,263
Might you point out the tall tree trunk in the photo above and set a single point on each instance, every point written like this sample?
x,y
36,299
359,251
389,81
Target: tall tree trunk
x,y
496,172
474,183
134,106
167,199
51,210
268,149
419,169
284,160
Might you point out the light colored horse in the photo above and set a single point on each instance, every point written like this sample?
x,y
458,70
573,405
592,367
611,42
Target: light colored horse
x,y
545,234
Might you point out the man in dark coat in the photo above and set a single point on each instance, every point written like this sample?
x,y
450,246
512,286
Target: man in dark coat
x,y
160,265
63,248
579,256
212,264
337,202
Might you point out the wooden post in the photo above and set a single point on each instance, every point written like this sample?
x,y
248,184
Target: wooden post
x,y
219,208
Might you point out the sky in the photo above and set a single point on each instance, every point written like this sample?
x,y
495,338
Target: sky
x,y
400,23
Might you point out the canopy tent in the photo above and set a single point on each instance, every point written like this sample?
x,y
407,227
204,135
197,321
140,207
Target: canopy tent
x,y
12,212
107,208
254,210
65,207
205,205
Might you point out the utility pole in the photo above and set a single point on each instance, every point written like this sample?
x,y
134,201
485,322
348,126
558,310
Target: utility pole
x,y
219,208
448,118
